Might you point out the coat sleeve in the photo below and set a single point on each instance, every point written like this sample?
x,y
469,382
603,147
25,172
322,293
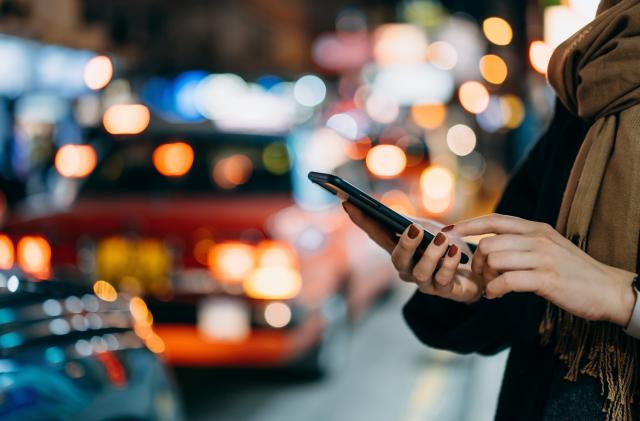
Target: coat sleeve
x,y
486,326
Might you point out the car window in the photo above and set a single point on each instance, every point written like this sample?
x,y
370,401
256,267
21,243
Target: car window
x,y
157,167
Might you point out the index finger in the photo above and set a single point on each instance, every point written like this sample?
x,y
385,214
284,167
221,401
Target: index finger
x,y
493,224
374,230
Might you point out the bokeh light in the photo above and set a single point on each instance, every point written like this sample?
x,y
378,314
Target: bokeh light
x,y
461,139
126,119
539,56
75,161
273,283
231,262
382,109
493,69
437,184
275,158
277,314
275,253
429,116
105,291
442,55
344,124
34,255
497,30
513,111
399,202
437,181
399,43
232,171
173,159
98,72
473,96
386,161
7,252
309,91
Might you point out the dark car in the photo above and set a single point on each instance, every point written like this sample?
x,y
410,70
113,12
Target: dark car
x,y
67,354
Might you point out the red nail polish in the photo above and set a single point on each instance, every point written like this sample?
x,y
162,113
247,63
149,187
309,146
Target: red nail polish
x,y
453,250
447,228
413,231
439,239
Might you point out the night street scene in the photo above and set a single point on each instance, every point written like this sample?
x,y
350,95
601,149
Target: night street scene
x,y
164,254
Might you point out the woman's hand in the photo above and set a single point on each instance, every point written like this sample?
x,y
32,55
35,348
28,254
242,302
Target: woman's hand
x,y
534,257
437,272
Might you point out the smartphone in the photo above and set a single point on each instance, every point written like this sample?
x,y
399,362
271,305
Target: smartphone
x,y
386,216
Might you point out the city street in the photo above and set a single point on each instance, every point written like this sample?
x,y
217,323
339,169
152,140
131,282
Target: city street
x,y
388,376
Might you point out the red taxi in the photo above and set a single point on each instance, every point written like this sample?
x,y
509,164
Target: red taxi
x,y
205,228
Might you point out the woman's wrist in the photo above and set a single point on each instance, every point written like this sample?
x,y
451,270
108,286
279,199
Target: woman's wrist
x,y
624,298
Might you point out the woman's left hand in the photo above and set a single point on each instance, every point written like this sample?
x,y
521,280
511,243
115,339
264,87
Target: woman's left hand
x,y
528,256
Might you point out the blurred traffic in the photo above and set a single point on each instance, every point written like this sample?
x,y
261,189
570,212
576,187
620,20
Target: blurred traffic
x,y
154,202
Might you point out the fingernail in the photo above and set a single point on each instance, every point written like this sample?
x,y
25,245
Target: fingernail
x,y
413,231
447,228
439,239
344,205
453,250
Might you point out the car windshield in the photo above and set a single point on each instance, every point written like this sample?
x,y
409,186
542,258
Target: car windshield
x,y
192,165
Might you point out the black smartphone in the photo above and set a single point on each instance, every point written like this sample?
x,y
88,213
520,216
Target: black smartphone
x,y
386,216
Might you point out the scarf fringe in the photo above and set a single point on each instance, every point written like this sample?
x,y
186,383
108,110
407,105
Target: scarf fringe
x,y
600,350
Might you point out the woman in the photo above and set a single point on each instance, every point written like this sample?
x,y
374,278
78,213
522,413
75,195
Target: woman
x,y
560,297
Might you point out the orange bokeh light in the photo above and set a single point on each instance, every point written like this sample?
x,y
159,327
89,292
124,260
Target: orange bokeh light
x,y
437,182
473,97
497,30
105,291
386,161
34,256
75,161
539,56
399,202
232,171
98,72
7,252
232,261
275,253
357,150
493,69
126,119
429,116
173,159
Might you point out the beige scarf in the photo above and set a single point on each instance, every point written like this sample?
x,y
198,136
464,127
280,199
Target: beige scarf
x,y
596,75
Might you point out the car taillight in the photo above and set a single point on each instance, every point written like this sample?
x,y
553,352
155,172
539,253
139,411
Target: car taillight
x,y
268,271
273,283
276,254
231,262
34,256
7,252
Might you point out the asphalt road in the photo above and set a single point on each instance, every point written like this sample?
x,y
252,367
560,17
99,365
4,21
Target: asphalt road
x,y
388,376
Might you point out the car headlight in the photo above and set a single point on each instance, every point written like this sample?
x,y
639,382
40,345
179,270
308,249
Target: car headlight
x,y
34,256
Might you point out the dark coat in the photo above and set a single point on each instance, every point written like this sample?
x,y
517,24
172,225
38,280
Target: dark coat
x,y
534,192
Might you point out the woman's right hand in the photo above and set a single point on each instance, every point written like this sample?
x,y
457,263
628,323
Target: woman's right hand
x,y
438,272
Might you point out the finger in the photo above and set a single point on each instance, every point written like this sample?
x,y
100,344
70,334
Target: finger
x,y
513,281
370,226
402,254
424,269
444,276
502,261
494,224
497,243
